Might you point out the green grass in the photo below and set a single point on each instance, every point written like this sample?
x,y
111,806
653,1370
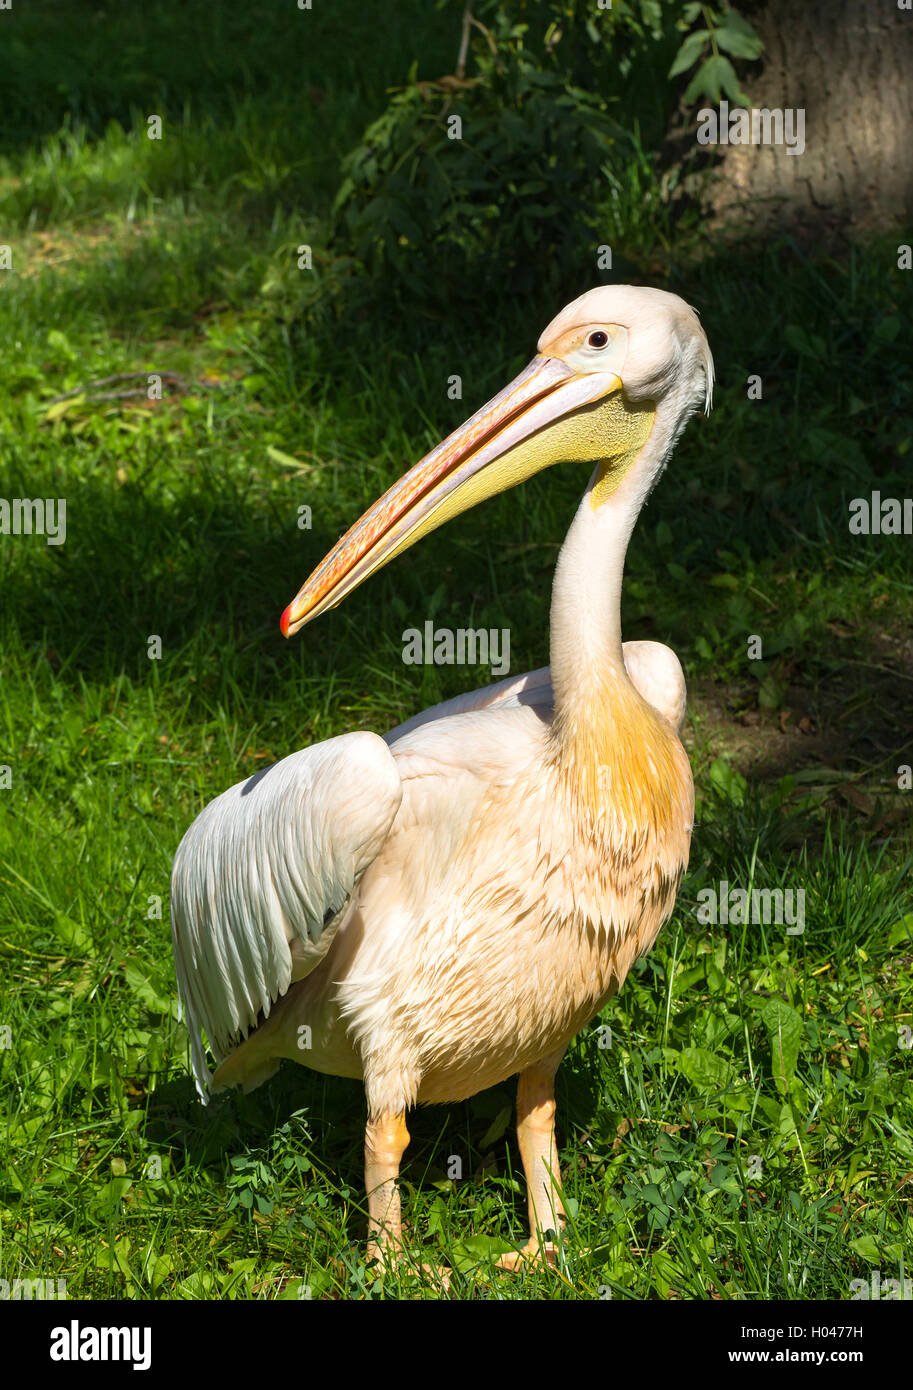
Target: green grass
x,y
749,1132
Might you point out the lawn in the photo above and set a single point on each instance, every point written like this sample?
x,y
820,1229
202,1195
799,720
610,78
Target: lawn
x,y
738,1124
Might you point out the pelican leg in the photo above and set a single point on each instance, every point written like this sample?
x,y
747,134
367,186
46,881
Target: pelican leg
x,y
536,1135
386,1140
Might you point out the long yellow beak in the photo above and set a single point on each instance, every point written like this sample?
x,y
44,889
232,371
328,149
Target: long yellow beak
x,y
509,439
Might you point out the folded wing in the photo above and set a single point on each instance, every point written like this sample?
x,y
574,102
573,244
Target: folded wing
x,y
262,874
654,670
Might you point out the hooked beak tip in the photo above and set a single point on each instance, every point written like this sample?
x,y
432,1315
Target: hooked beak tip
x,y
285,620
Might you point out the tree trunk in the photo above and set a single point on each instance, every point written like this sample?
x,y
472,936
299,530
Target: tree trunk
x,y
849,65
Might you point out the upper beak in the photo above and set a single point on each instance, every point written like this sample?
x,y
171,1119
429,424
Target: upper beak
x,y
460,472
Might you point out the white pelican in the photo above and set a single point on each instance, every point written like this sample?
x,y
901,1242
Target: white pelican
x,y
444,907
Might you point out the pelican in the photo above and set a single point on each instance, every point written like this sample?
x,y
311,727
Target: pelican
x,y
444,907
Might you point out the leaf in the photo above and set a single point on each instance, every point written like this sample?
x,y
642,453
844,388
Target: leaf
x,y
738,1100
196,1286
726,780
73,935
739,39
772,1109
156,1268
60,408
715,76
286,460
111,1194
497,1127
717,982
771,692
437,1212
145,989
466,1255
687,978
813,775
784,1029
115,1258
901,934
689,52
723,1178
296,1291
705,1070
806,344
867,1247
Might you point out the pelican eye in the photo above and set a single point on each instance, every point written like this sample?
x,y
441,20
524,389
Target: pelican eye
x,y
598,339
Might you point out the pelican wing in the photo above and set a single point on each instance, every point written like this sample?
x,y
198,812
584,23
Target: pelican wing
x,y
533,688
655,671
263,872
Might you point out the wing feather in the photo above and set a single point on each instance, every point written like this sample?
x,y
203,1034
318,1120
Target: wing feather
x,y
265,867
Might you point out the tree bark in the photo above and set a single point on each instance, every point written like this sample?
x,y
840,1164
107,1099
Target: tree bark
x,y
849,65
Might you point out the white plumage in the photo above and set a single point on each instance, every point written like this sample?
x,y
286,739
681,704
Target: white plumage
x,y
261,875
444,908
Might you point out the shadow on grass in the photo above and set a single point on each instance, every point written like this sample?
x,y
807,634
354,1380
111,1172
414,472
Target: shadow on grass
x,y
333,1110
109,61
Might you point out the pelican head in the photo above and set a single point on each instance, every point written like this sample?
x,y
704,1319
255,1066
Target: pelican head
x,y
607,368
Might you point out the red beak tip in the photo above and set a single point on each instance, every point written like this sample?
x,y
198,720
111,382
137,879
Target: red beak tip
x,y
284,621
